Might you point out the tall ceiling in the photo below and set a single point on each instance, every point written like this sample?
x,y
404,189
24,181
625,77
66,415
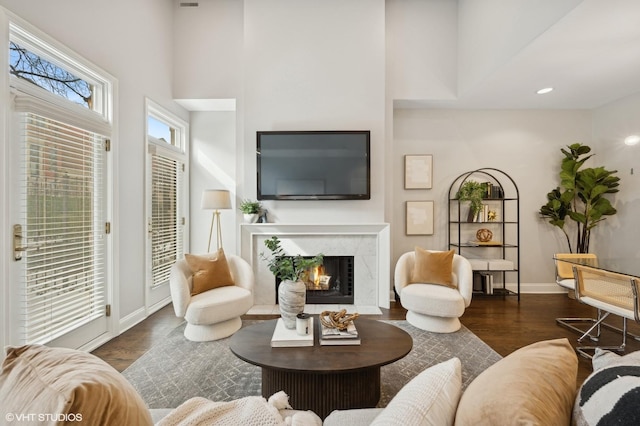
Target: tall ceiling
x,y
589,52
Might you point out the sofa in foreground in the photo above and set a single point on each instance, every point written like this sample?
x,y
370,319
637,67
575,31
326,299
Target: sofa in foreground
x,y
535,385
40,385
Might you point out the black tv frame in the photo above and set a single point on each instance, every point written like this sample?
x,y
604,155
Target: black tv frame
x,y
366,196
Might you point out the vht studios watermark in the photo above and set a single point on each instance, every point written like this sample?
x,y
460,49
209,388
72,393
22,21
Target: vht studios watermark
x,y
43,417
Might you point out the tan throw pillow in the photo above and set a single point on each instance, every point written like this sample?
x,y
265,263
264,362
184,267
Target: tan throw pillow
x,y
433,267
209,272
77,387
534,385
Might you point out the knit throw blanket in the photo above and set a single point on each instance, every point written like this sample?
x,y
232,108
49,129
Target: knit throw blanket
x,y
250,410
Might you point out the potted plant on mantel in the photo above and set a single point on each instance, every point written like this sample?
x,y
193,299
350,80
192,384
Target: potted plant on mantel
x,y
289,269
580,197
250,210
474,192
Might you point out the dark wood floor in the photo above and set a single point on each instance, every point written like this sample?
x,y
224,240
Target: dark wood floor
x,y
503,323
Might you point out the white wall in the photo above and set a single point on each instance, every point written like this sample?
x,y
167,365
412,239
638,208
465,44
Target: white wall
x,y
327,65
313,65
491,32
524,144
618,236
133,42
297,65
208,49
422,49
213,166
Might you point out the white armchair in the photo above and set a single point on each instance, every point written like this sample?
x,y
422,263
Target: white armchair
x,y
434,307
213,314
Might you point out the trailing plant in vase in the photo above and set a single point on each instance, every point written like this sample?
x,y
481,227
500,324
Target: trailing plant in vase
x,y
579,204
474,192
289,269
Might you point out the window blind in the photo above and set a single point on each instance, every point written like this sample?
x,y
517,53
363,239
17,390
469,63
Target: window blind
x,y
63,212
166,225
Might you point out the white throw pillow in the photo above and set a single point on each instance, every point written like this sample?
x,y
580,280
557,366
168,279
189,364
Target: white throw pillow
x,y
430,398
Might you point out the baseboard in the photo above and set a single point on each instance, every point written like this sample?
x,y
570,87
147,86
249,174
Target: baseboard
x,y
526,288
537,288
161,304
96,343
132,319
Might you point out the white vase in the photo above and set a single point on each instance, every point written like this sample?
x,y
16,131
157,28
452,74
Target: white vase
x,y
250,217
291,300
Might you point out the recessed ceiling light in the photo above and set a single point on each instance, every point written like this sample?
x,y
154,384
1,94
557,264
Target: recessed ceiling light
x,y
632,140
545,90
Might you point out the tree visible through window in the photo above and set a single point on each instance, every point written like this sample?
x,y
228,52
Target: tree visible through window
x,y
33,68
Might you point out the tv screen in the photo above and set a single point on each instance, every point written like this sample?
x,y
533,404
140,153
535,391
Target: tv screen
x,y
313,165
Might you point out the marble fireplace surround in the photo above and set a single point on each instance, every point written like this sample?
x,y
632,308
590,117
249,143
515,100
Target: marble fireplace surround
x,y
369,244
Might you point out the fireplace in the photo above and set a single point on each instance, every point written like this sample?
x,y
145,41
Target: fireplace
x,y
330,283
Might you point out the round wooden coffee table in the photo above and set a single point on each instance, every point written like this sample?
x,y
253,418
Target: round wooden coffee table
x,y
323,378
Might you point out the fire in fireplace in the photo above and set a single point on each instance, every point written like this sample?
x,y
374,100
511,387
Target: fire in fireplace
x,y
329,283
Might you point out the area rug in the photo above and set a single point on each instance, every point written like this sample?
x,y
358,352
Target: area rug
x,y
177,369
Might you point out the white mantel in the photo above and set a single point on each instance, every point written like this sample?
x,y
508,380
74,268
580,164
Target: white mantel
x,y
368,243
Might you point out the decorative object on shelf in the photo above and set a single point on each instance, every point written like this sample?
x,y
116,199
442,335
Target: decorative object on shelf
x,y
580,197
337,319
250,209
419,219
216,200
484,235
418,171
492,216
263,217
474,192
289,269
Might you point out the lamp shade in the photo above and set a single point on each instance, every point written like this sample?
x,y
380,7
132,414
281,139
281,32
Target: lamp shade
x,y
215,199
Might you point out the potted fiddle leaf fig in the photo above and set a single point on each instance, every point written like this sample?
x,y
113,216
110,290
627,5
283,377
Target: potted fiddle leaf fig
x,y
474,192
292,290
579,204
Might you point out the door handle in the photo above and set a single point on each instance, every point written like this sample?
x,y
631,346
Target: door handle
x,y
18,248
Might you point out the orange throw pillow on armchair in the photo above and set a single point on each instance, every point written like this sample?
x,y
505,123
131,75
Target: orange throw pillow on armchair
x,y
433,267
209,272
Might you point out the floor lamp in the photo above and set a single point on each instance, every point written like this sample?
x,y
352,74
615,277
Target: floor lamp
x,y
216,200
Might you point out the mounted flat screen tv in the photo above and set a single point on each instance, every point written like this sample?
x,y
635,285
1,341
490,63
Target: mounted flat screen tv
x,y
313,165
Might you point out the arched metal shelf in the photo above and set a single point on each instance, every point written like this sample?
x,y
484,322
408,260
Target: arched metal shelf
x,y
503,256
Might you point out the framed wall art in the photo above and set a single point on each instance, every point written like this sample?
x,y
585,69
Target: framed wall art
x,y
418,171
419,219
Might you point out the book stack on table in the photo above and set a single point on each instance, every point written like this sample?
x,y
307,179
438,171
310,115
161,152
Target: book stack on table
x,y
288,338
334,336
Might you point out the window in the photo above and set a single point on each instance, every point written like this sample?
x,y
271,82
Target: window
x,y
50,72
61,131
166,138
64,220
161,131
36,70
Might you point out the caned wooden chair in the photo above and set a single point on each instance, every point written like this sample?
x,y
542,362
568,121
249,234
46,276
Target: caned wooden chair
x,y
611,293
565,279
